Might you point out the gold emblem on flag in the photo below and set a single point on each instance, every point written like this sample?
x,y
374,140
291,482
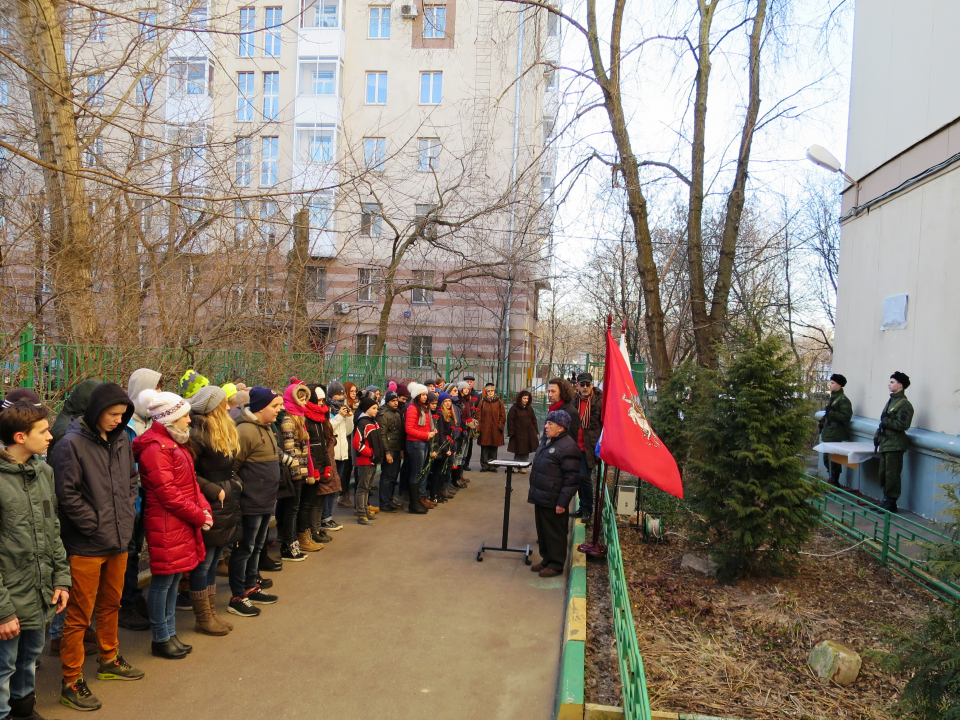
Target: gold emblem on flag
x,y
635,411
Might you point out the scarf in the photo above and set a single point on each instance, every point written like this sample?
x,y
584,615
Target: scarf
x,y
557,405
297,410
181,437
585,417
317,413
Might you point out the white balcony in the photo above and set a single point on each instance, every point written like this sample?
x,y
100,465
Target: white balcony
x,y
320,42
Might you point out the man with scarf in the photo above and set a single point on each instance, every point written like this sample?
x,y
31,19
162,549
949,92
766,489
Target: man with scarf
x,y
833,424
589,405
891,439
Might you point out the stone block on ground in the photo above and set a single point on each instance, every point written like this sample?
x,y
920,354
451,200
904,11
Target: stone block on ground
x,y
704,566
833,661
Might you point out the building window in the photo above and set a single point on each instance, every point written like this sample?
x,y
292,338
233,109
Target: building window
x,y
434,21
271,38
241,219
421,350
268,225
380,22
318,78
375,153
316,283
319,13
376,88
431,88
320,336
553,24
366,343
320,211
546,188
424,219
269,160
144,149
367,281
422,296
245,96
315,143
98,27
261,292
145,87
189,77
244,160
4,97
271,95
95,85
550,77
95,152
371,220
143,210
248,23
148,25
197,17
428,154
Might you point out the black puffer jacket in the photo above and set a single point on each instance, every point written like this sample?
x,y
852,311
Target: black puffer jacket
x,y
215,473
96,480
555,475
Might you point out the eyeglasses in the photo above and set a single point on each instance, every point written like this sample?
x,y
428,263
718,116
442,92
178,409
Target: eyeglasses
x,y
585,384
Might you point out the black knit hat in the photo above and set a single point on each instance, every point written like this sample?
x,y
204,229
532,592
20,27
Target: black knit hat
x,y
365,404
902,378
839,379
391,395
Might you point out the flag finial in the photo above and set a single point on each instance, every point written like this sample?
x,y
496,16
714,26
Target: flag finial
x,y
609,321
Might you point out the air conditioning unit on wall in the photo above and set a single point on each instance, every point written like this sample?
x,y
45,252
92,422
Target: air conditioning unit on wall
x,y
341,308
408,11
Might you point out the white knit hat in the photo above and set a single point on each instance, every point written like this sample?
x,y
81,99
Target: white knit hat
x,y
165,407
416,389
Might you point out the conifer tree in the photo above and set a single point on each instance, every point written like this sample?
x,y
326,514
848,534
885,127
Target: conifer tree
x,y
678,403
745,472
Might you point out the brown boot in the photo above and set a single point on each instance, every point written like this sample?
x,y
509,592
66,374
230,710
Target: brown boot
x,y
212,599
307,543
205,622
428,503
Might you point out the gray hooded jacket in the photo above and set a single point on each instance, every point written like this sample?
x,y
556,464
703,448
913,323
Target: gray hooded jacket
x,y
140,380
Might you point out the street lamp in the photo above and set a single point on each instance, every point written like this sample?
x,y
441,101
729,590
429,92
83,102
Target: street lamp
x,y
824,158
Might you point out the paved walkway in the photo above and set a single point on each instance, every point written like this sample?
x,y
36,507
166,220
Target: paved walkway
x,y
396,621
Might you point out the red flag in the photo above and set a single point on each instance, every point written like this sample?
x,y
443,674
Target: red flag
x,y
628,442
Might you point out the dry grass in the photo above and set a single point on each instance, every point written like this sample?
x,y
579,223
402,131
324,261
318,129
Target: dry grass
x,y
741,650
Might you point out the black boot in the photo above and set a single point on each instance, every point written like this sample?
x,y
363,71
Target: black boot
x,y
267,563
23,709
182,645
168,650
416,507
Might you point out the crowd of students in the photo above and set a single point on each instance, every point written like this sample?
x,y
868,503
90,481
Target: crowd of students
x,y
200,474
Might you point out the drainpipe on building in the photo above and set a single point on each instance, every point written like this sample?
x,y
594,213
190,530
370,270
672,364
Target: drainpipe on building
x,y
513,181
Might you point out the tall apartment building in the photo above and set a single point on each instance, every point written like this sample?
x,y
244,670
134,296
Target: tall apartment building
x,y
898,252
280,169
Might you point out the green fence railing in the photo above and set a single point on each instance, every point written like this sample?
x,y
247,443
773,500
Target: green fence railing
x,y
890,538
633,681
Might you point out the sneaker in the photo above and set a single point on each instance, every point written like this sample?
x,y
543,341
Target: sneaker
x,y
243,607
130,619
372,510
258,597
325,537
78,696
331,525
264,583
292,553
183,600
363,520
388,508
118,669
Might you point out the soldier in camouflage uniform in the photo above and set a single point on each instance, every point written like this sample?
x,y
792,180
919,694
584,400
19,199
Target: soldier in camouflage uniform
x,y
833,425
891,439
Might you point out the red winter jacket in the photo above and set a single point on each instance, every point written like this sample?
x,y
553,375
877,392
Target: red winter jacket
x,y
173,503
416,431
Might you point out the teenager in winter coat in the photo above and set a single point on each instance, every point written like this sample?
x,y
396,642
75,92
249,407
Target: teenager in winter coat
x,y
418,426
215,441
522,428
320,489
176,511
492,416
368,450
295,442
554,479
442,448
73,407
394,437
34,571
341,419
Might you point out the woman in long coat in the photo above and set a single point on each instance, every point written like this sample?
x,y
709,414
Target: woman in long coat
x,y
492,416
522,428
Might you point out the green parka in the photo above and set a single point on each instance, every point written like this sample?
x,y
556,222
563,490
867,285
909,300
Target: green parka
x,y
32,559
895,420
838,413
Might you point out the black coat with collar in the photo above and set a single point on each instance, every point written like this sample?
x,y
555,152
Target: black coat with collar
x,y
555,475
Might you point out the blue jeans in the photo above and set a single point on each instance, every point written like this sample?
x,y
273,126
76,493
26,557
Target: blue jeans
x,y
417,451
246,556
131,587
328,502
18,666
205,574
162,605
389,472
586,486
56,625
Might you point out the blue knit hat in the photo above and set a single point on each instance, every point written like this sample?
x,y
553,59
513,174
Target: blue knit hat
x,y
260,397
445,396
559,417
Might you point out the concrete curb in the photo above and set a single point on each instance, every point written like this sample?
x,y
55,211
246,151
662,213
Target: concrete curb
x,y
570,692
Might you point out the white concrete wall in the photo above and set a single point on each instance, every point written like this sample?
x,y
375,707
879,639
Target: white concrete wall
x,y
904,82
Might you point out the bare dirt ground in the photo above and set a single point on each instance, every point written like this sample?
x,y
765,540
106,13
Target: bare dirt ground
x,y
741,650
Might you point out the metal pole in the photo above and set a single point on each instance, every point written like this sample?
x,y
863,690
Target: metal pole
x,y
595,548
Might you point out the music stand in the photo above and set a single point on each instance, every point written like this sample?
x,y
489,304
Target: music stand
x,y
510,466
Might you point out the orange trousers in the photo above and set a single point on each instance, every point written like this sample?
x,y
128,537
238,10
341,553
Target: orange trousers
x,y
97,584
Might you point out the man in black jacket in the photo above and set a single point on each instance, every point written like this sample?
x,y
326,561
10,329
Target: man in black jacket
x,y
554,479
589,405
96,484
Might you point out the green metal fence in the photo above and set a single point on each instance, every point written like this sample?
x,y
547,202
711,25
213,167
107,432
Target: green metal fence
x,y
53,369
633,681
890,538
